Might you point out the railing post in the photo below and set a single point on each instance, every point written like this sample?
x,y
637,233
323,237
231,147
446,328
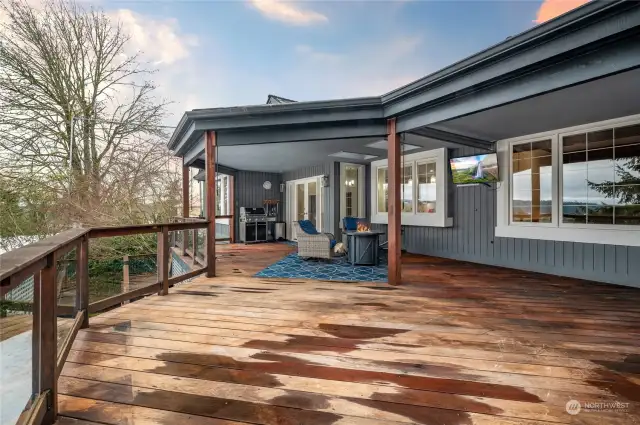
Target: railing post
x,y
125,276
163,260
194,232
185,233
82,279
48,337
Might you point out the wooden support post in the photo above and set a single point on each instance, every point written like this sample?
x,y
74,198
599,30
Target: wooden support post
x,y
210,164
185,204
125,276
163,260
49,337
232,209
82,279
395,207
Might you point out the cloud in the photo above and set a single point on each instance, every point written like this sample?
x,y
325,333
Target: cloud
x,y
161,41
552,8
288,12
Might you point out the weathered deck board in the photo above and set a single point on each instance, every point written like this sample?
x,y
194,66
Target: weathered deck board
x,y
461,344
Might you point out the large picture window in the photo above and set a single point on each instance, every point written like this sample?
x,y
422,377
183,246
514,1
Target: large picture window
x,y
423,201
601,177
427,187
586,177
531,182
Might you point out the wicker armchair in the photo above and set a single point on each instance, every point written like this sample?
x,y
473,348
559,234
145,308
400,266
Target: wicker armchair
x,y
313,246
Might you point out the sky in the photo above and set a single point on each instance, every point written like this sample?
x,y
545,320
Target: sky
x,y
236,52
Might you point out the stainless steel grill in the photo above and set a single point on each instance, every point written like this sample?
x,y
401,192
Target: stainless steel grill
x,y
253,225
252,215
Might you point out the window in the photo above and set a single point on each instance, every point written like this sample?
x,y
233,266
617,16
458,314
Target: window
x,y
426,188
383,190
349,200
580,184
531,182
407,189
352,190
423,201
222,195
600,175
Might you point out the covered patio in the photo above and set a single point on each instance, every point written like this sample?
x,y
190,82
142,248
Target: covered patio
x,y
530,93
457,343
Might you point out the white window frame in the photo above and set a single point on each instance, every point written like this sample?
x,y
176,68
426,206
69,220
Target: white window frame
x,y
291,197
414,218
224,181
609,234
343,191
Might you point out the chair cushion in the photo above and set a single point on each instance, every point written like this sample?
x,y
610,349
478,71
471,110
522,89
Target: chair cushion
x,y
350,223
308,227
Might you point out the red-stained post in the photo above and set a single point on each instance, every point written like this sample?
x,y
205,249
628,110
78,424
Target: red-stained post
x,y
48,349
185,203
395,207
210,166
232,209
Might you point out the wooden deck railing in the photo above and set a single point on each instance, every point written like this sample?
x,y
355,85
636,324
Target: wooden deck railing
x,y
39,260
188,243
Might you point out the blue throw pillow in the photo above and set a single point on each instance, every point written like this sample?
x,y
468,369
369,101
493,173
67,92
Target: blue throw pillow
x,y
333,243
308,227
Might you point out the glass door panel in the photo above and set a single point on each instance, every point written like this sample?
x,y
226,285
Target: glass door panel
x,y
312,200
300,201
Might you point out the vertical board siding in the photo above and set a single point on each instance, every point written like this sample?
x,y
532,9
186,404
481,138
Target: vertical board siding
x,y
472,239
250,193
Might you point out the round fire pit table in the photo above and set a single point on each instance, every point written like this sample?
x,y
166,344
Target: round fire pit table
x,y
363,247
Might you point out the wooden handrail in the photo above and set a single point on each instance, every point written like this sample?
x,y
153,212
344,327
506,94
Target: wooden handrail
x,y
40,261
19,264
108,232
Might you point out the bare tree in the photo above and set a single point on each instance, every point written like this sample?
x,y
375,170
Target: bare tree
x,y
78,112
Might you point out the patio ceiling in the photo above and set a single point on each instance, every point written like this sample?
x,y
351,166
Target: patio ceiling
x,y
281,157
598,100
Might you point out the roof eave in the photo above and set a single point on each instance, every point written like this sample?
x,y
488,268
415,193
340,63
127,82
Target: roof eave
x,y
507,47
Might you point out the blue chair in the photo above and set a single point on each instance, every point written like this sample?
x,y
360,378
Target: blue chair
x,y
350,224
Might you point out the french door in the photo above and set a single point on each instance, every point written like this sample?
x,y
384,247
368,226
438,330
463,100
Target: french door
x,y
304,202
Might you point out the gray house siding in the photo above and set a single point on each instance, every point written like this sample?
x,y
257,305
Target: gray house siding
x,y
250,193
472,239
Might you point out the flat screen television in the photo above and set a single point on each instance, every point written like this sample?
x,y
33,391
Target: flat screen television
x,y
475,169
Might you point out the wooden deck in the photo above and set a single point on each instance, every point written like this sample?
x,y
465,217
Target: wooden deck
x,y
460,344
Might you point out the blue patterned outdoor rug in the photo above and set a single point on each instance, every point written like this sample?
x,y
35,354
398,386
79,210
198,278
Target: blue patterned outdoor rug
x,y
337,269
